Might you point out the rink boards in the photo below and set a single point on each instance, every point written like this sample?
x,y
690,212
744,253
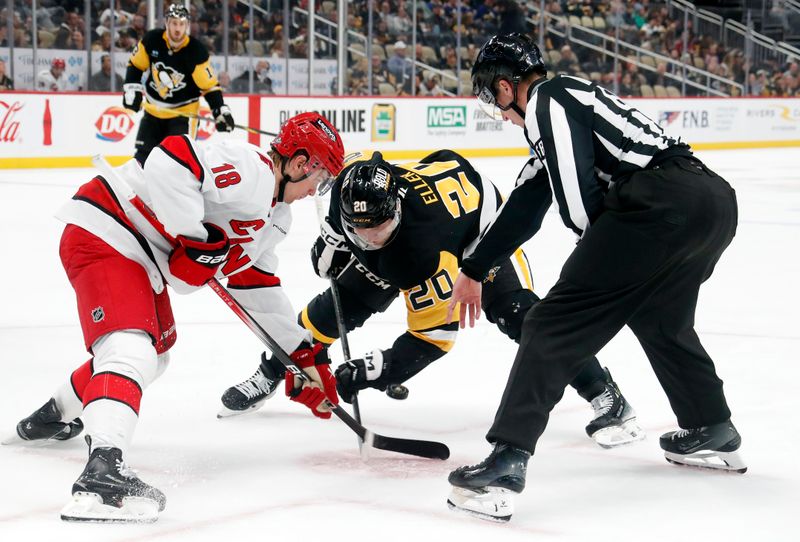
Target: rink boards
x,y
64,130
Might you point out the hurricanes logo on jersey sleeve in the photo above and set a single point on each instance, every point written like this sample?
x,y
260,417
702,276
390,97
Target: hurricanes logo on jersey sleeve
x,y
166,80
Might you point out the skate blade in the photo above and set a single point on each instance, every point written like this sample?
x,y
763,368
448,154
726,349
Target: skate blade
x,y
13,439
709,460
89,507
495,504
225,412
619,435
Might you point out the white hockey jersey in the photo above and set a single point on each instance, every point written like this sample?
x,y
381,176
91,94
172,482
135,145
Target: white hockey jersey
x,y
46,81
186,183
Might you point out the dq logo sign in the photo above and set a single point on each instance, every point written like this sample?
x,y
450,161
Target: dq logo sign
x,y
205,128
113,124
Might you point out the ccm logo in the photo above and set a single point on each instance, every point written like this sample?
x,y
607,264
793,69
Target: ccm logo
x,y
211,260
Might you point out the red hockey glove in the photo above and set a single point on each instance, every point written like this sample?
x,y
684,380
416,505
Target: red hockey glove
x,y
316,364
196,262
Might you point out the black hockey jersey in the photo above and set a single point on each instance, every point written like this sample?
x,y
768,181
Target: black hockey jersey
x,y
177,77
445,204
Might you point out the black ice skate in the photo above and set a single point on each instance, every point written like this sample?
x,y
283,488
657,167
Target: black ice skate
x,y
614,423
486,490
45,424
108,491
712,447
252,393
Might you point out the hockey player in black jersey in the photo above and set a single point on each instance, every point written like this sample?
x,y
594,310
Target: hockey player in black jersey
x,y
652,222
178,72
406,228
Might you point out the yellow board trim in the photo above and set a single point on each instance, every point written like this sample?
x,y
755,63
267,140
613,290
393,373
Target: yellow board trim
x,y
86,161
57,162
731,145
412,154
319,336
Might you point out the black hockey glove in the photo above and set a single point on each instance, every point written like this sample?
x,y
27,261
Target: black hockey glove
x,y
223,119
132,95
329,254
357,374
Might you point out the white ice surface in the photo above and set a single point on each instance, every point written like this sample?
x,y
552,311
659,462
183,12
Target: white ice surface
x,y
280,474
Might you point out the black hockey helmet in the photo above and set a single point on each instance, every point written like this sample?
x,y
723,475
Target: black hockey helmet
x,y
504,56
369,197
177,11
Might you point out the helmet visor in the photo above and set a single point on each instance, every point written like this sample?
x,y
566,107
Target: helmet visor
x,y
315,169
375,237
488,104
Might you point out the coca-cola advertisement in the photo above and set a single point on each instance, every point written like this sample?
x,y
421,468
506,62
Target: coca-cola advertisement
x,y
55,129
9,121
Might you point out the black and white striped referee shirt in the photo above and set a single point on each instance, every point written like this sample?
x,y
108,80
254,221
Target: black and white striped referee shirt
x,y
584,139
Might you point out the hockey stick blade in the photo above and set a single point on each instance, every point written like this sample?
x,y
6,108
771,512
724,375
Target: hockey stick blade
x,y
421,448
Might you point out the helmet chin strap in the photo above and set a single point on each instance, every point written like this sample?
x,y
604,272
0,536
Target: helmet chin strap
x,y
513,105
286,178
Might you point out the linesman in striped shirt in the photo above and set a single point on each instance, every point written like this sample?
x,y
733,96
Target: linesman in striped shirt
x,y
652,222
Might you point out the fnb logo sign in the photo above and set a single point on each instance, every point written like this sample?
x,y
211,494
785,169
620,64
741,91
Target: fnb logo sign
x,y
113,124
447,116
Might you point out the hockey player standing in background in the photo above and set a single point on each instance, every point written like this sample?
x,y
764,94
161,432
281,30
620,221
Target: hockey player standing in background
x,y
227,204
405,228
653,221
53,80
180,72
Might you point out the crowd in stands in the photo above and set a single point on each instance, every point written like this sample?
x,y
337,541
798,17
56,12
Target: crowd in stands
x,y
446,43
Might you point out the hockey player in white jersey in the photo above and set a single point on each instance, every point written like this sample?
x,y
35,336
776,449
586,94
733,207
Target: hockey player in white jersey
x,y
54,79
227,205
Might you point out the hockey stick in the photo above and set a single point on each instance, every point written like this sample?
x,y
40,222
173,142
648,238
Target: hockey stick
x,y
421,448
337,309
210,119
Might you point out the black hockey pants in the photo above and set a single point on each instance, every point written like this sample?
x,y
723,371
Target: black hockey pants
x,y
640,264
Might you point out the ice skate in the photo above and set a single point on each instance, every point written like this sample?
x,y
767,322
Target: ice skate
x,y
614,423
108,491
250,394
712,447
486,490
45,425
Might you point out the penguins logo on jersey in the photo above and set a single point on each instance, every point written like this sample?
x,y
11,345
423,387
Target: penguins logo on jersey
x,y
166,80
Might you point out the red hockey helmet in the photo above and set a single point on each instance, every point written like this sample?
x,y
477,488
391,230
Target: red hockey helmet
x,y
314,136
58,63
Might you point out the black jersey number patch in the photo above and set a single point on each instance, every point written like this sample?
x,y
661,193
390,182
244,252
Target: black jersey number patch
x,y
438,288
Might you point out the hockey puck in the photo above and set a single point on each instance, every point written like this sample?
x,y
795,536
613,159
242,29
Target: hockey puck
x,y
397,391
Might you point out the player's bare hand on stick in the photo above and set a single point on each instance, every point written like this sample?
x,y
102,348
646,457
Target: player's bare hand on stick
x,y
467,292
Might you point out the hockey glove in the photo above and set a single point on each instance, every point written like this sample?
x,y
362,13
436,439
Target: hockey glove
x,y
330,254
361,373
196,262
315,363
223,119
132,94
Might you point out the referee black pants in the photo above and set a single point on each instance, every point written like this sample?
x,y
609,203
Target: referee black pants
x,y
640,264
